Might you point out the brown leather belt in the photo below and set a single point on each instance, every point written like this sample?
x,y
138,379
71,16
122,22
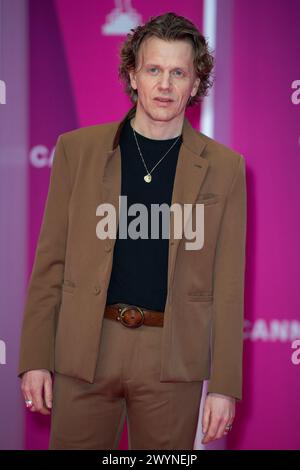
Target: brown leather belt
x,y
133,316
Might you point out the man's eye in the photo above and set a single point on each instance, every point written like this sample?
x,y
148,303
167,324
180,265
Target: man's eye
x,y
177,72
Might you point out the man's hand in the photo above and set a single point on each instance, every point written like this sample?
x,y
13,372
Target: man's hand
x,y
218,412
36,385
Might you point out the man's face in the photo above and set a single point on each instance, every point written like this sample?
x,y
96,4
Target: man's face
x,y
164,70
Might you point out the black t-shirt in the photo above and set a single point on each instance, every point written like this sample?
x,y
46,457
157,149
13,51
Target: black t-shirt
x,y
140,266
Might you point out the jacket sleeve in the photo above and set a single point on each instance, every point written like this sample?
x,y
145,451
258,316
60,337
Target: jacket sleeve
x,y
44,290
228,301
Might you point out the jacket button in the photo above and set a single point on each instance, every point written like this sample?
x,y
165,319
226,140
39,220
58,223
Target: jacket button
x,y
107,248
96,290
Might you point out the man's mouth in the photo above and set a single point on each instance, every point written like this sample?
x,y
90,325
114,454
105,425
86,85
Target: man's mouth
x,y
163,100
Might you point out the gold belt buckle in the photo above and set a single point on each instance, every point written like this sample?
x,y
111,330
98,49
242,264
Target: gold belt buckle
x,y
130,307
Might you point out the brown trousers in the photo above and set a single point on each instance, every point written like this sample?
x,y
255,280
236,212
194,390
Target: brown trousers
x,y
160,415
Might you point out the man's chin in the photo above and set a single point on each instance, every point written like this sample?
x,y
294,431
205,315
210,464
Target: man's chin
x,y
162,114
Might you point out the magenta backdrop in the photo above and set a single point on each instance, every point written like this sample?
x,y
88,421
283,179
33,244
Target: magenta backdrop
x,y
74,83
265,128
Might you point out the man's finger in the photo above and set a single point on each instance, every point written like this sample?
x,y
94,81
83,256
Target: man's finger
x,y
38,401
27,396
212,429
48,393
221,428
205,418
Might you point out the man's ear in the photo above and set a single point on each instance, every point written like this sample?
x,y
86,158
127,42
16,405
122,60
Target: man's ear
x,y
195,87
132,76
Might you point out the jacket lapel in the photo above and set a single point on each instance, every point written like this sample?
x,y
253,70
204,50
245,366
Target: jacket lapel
x,y
190,173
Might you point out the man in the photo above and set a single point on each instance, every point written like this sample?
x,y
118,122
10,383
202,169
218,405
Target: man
x,y
136,324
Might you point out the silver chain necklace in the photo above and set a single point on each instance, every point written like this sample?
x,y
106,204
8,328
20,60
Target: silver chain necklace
x,y
148,176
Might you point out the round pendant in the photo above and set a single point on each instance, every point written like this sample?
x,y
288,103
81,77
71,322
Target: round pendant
x,y
148,178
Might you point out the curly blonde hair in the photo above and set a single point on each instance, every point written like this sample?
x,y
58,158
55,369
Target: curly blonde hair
x,y
168,26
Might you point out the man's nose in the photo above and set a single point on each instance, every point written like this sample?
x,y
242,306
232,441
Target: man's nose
x,y
165,81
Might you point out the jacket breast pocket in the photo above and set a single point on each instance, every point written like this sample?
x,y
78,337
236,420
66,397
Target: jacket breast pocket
x,y
200,297
208,199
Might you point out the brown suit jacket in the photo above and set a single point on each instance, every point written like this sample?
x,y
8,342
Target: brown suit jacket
x,y
66,296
